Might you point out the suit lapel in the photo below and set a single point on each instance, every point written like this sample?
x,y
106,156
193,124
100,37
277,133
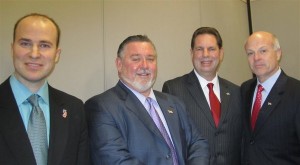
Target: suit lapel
x,y
248,98
271,101
14,131
135,106
171,117
225,95
197,93
58,128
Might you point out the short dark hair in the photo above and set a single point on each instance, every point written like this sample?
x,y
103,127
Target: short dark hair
x,y
134,38
207,30
39,15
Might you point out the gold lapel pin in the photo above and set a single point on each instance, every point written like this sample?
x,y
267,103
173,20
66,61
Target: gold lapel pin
x,y
269,103
170,111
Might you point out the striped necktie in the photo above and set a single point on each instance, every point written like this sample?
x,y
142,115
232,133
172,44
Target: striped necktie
x,y
154,115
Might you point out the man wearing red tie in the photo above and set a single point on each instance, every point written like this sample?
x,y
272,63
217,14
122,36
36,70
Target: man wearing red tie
x,y
272,106
213,102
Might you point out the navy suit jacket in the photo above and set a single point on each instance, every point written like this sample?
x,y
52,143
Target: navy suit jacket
x,y
68,143
276,136
224,140
122,131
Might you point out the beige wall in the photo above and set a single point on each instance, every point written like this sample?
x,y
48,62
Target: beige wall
x,y
93,29
281,17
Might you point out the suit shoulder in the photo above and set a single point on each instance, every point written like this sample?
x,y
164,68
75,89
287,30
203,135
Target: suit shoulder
x,y
229,83
294,80
177,79
68,98
247,83
106,95
168,97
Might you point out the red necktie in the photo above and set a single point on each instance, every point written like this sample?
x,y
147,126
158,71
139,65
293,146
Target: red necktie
x,y
256,105
214,104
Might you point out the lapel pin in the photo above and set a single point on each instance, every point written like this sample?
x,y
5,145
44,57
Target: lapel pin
x,y
269,103
65,113
170,111
227,93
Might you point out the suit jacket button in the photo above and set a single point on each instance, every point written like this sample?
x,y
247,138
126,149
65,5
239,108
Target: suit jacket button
x,y
252,141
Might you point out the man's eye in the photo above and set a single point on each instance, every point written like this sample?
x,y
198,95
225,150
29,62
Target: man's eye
x,y
150,59
263,51
250,53
135,59
25,44
45,46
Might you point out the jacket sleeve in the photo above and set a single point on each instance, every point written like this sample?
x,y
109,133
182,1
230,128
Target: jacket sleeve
x,y
107,146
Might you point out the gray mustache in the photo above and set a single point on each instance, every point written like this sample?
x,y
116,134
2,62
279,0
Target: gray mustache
x,y
144,71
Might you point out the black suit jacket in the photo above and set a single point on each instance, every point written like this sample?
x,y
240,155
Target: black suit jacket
x,y
224,141
276,137
68,143
122,132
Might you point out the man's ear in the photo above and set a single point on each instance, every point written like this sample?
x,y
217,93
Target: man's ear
x,y
57,55
118,63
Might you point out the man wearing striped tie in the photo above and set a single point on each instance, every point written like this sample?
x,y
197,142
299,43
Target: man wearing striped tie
x,y
134,125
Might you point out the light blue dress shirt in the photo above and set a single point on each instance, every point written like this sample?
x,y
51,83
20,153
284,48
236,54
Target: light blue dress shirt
x,y
267,85
21,93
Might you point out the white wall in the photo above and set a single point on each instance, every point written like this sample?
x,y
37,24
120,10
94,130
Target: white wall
x,y
93,29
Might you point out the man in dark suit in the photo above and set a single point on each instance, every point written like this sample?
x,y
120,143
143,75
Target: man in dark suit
x,y
134,125
51,130
223,131
272,130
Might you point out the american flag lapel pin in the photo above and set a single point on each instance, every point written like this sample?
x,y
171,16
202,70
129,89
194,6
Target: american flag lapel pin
x,y
170,110
65,113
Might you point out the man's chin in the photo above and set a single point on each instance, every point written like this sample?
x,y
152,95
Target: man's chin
x,y
139,86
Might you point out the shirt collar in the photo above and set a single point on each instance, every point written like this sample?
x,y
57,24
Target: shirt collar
x,y
204,82
269,83
21,92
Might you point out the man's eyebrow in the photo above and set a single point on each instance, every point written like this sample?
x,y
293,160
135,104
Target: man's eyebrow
x,y
24,39
45,41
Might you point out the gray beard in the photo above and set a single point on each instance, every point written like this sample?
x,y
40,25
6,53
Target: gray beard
x,y
138,86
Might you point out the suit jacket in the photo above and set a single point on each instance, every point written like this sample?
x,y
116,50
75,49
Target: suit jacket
x,y
68,136
122,131
276,136
224,140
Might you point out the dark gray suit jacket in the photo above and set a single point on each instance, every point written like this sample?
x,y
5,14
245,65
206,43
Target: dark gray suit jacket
x,y
276,137
68,143
122,131
224,141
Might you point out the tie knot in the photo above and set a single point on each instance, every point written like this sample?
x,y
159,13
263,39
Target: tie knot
x,y
149,101
260,88
210,86
33,100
